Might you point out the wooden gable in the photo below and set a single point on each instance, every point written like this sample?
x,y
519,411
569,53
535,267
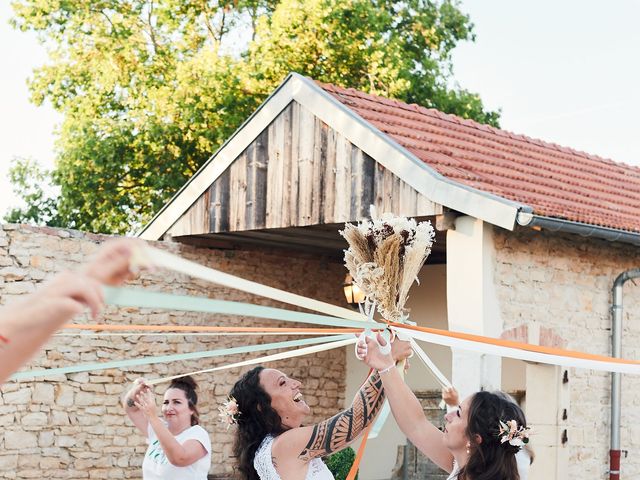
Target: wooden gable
x,y
298,172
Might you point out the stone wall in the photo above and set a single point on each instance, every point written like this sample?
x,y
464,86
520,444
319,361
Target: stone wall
x,y
563,282
72,426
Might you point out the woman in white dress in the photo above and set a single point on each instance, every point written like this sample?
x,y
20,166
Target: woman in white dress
x,y
269,409
481,437
179,448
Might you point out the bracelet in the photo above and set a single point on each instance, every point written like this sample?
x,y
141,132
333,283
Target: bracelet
x,y
387,370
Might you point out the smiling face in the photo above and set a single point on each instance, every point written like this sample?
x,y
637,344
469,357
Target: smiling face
x,y
286,398
455,432
175,409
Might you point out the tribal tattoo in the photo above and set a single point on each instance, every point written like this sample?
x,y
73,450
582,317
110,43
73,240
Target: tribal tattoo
x,y
340,430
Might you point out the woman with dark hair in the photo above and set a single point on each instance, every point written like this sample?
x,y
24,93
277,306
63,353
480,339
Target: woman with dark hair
x,y
269,409
179,448
525,457
481,437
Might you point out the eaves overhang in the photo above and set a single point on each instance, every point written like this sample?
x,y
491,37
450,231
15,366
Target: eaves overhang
x,y
382,148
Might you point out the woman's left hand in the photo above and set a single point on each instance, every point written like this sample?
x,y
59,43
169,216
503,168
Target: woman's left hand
x,y
400,349
146,402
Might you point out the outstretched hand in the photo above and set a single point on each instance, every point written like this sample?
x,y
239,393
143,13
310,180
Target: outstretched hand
x,y
450,396
69,293
368,350
401,349
111,264
145,400
139,385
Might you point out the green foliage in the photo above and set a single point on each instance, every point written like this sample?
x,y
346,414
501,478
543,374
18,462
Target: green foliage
x,y
340,463
33,184
151,88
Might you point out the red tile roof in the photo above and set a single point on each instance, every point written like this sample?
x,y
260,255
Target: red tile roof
x,y
555,181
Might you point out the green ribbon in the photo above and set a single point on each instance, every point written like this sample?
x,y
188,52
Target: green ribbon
x,y
129,297
85,367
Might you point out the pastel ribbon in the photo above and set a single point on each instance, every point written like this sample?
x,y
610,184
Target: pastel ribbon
x,y
520,351
267,358
129,297
178,357
149,256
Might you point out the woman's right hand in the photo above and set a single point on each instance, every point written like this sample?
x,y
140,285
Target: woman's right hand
x,y
139,385
369,352
450,396
146,402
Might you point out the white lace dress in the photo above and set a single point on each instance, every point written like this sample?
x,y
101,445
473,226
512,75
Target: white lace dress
x,y
264,466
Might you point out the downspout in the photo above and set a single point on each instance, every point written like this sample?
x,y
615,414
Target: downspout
x,y
616,343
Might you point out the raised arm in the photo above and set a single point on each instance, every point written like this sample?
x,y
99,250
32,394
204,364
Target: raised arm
x,y
342,429
336,432
134,413
406,408
27,324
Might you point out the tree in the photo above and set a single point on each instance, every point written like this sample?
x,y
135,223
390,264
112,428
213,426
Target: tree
x,y
31,182
151,88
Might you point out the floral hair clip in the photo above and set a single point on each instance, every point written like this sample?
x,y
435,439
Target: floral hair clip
x,y
512,433
229,412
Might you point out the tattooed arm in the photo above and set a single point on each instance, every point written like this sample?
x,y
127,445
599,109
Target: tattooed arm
x,y
297,446
342,429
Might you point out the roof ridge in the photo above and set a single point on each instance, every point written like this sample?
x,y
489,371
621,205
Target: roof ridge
x,y
450,117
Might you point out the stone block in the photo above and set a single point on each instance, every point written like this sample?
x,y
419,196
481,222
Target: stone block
x,y
65,441
45,438
18,440
43,393
49,463
86,398
34,419
13,274
18,288
64,395
20,397
8,462
59,418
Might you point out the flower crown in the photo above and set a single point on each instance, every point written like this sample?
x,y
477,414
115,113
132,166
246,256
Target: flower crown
x,y
517,436
229,412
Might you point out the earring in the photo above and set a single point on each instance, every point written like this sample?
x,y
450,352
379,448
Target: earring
x,y
468,447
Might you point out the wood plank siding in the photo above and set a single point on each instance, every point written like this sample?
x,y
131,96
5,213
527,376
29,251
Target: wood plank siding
x,y
299,172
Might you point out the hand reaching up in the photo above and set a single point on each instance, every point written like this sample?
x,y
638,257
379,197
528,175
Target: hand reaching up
x,y
369,352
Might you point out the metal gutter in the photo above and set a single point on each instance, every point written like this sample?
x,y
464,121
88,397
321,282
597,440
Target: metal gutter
x,y
528,219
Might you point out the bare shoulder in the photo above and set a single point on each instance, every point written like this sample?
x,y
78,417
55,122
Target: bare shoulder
x,y
292,443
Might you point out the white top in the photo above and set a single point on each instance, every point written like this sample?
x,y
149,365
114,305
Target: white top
x,y
266,471
156,466
523,460
454,473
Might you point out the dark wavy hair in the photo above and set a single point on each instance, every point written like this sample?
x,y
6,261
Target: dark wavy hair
x,y
256,420
489,459
188,385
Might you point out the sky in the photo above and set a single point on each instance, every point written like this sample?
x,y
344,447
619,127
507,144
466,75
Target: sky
x,y
561,71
